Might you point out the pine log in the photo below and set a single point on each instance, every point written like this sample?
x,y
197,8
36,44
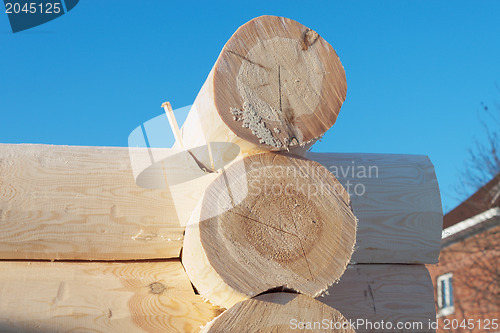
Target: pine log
x,y
99,297
370,295
279,312
157,296
60,202
269,220
397,201
276,85
179,173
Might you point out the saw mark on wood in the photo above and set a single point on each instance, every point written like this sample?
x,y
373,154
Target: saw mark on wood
x,y
289,117
373,298
303,251
250,61
279,86
280,105
267,225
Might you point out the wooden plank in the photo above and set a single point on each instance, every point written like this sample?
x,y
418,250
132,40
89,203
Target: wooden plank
x,y
60,202
157,296
371,294
99,297
397,201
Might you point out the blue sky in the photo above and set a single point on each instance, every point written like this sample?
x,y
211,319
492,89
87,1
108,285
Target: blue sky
x,y
417,71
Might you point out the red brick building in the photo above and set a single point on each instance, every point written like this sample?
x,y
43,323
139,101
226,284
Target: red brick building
x,y
467,279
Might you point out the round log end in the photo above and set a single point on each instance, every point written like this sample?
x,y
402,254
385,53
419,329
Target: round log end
x,y
271,220
280,312
278,84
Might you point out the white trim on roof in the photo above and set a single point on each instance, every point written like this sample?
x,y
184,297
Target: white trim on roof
x,y
461,226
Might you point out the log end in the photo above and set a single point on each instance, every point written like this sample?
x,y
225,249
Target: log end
x,y
280,312
269,220
278,84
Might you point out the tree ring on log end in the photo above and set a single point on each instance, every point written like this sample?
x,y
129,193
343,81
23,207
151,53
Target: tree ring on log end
x,y
270,220
290,215
278,84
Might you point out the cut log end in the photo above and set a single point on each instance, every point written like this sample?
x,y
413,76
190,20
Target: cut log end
x,y
278,84
279,312
270,220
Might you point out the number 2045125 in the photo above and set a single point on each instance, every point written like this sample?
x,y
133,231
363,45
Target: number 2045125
x,y
33,8
485,324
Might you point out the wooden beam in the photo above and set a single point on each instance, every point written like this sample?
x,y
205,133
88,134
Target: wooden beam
x,y
372,294
99,297
397,201
276,85
59,202
269,220
157,296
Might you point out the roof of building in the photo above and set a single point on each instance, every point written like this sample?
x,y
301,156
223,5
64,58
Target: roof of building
x,y
484,199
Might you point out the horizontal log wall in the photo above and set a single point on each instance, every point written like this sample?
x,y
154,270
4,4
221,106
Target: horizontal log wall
x,y
397,201
60,202
393,294
82,203
157,296
99,297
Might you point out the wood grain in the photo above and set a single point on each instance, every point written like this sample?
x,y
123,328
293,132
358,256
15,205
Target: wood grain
x,y
99,297
389,293
276,85
397,201
279,312
178,173
269,220
157,296
60,202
